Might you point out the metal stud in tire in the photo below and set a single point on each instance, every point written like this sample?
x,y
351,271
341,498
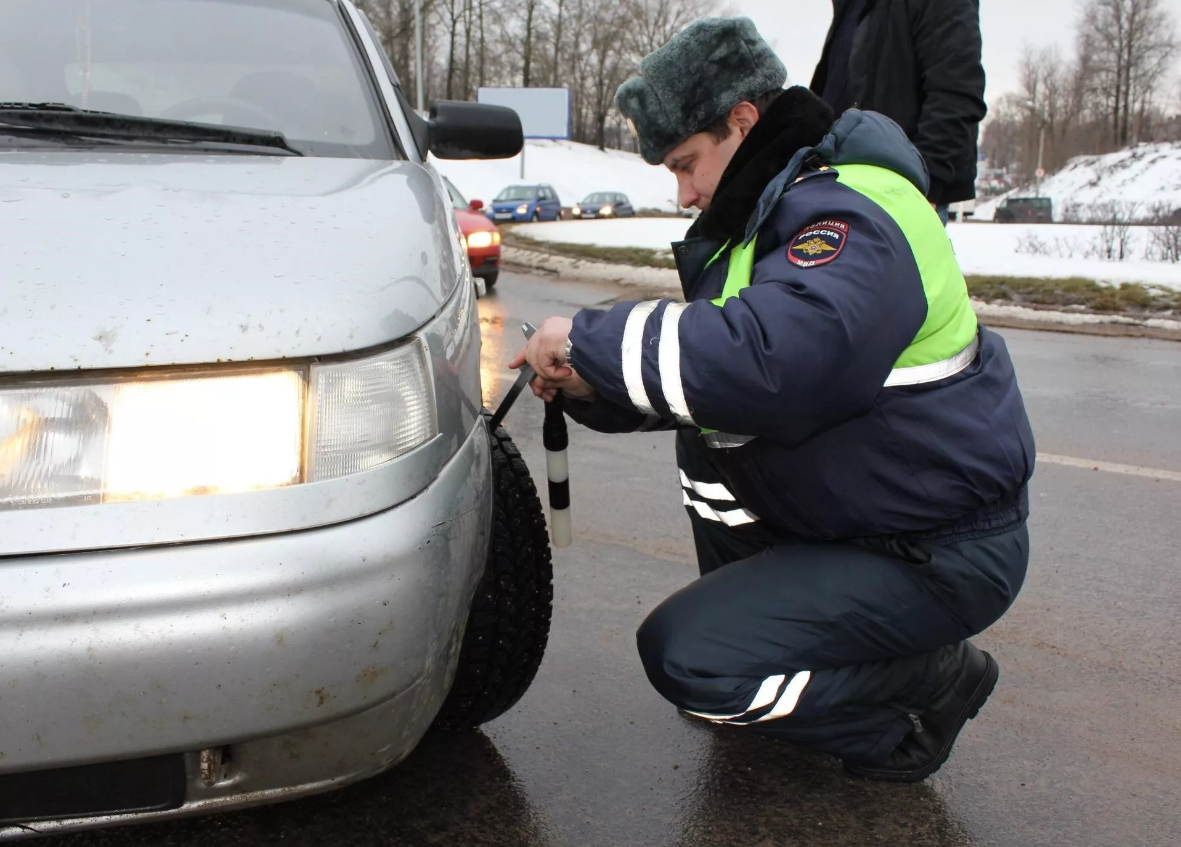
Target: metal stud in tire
x,y
508,626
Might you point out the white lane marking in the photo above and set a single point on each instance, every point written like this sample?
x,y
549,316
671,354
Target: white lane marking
x,y
1109,467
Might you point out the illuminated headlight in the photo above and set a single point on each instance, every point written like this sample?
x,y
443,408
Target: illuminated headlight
x,y
150,439
480,239
607,211
576,211
523,209
160,437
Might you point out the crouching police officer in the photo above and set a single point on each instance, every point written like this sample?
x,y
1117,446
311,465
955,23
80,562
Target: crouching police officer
x,y
853,447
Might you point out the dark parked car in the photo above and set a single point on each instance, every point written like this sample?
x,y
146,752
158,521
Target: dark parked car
x,y
526,203
1025,210
605,204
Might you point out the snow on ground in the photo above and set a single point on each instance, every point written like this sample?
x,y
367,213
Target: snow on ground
x,y
1141,176
650,233
981,248
984,248
574,170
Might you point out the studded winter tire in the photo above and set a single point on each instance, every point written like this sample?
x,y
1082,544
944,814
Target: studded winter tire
x,y
508,626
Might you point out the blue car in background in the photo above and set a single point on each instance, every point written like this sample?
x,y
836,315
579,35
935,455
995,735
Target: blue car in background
x,y
526,203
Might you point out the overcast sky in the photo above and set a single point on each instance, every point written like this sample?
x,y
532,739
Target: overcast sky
x,y
797,28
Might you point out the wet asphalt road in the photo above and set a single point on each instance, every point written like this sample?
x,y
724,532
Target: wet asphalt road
x,y
1080,744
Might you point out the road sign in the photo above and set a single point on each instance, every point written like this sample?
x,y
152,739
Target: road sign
x,y
1040,172
545,112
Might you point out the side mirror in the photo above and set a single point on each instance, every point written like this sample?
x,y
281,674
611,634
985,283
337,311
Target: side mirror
x,y
458,130
476,205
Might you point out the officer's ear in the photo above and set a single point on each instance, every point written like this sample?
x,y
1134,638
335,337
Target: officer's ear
x,y
743,117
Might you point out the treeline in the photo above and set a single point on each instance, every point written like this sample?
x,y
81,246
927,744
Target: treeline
x,y
588,46
1115,89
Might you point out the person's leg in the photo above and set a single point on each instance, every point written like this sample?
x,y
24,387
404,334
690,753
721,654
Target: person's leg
x,y
944,213
833,646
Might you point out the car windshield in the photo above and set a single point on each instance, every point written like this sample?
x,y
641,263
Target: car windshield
x,y
286,66
517,192
457,200
598,198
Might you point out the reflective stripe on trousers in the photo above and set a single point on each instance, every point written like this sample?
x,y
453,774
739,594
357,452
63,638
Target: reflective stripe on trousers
x,y
766,695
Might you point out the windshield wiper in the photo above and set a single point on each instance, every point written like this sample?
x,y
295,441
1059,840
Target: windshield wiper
x,y
61,118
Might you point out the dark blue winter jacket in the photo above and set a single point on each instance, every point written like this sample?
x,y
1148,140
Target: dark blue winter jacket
x,y
827,376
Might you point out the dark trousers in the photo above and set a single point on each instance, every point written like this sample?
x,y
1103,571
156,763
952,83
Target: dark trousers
x,y
830,645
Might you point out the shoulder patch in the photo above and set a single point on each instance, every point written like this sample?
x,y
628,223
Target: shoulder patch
x,y
818,244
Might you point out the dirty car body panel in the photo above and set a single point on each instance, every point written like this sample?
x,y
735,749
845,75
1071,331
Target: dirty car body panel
x,y
277,640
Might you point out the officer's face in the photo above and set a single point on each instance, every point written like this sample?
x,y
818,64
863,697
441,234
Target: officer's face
x,y
699,162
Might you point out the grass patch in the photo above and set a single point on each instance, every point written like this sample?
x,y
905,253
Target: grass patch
x,y
639,257
1074,292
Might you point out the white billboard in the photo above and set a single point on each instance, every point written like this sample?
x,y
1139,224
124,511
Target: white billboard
x,y
544,112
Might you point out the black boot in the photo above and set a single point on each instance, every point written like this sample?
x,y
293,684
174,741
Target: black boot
x,y
965,676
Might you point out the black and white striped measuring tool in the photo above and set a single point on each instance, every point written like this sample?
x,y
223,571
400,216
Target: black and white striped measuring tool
x,y
555,440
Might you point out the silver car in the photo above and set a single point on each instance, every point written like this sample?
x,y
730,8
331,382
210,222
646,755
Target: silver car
x,y
255,537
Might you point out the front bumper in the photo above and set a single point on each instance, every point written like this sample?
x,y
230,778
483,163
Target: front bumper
x,y
317,658
509,215
486,267
484,260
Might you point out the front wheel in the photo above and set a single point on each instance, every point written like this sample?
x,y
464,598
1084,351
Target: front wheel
x,y
490,279
508,626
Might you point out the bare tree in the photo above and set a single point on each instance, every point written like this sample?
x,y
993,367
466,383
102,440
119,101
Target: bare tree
x,y
556,70
530,9
1132,44
483,43
450,14
468,25
393,20
652,23
1113,92
589,46
609,69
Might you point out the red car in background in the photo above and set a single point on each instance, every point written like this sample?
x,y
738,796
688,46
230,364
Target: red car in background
x,y
480,234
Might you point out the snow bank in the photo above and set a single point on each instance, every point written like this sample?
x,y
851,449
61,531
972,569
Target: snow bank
x,y
1144,176
993,249
981,248
574,170
651,233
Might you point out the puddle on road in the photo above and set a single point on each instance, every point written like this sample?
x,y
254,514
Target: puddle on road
x,y
495,376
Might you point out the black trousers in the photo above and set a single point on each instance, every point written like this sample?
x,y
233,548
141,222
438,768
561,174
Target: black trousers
x,y
830,645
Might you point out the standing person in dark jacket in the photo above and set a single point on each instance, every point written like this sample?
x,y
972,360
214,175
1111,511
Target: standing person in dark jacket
x,y
918,63
853,449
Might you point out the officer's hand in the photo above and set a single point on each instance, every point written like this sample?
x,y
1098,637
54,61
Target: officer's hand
x,y
572,386
546,354
546,350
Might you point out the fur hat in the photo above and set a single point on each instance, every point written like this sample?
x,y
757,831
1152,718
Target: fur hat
x,y
698,77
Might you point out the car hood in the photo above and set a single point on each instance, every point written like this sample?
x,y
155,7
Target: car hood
x,y
473,221
122,260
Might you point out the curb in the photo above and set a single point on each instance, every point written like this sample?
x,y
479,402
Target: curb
x,y
665,282
587,270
